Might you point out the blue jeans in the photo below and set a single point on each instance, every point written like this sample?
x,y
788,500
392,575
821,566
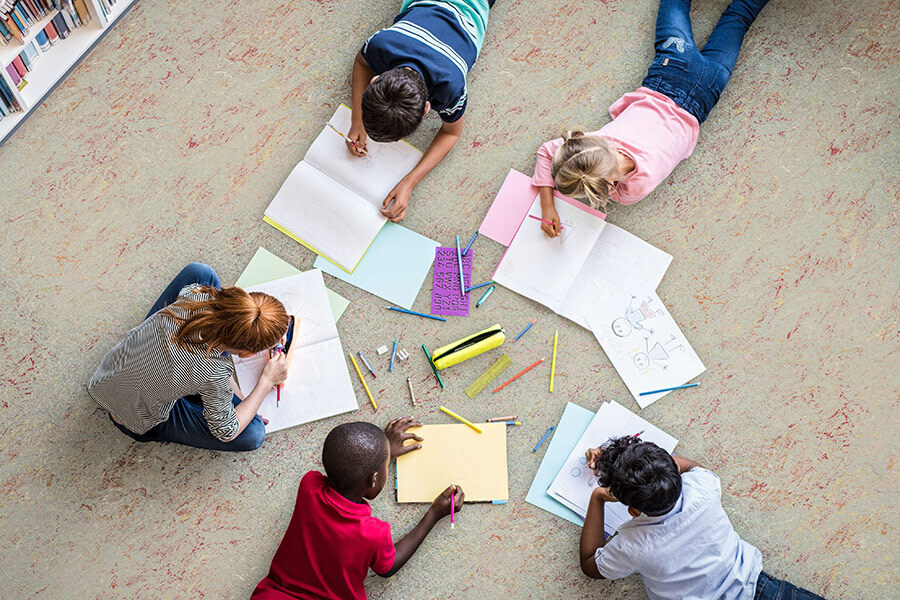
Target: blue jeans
x,y
769,588
186,424
694,78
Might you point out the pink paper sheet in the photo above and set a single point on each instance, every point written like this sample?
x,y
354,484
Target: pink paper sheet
x,y
511,205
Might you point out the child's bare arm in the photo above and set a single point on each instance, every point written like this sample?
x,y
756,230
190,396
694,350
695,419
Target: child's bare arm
x,y
548,212
410,542
685,464
592,532
362,75
395,204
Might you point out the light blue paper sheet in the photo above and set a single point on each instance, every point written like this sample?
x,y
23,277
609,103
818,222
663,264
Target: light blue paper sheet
x,y
572,425
394,268
265,267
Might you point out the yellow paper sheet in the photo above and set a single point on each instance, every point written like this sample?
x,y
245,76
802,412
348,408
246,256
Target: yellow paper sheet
x,y
455,454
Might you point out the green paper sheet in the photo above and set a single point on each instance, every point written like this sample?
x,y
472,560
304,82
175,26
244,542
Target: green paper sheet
x,y
265,266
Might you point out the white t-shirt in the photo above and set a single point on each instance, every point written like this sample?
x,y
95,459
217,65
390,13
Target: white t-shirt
x,y
690,553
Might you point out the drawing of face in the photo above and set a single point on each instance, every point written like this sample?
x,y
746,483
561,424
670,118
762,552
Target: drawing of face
x,y
621,327
641,361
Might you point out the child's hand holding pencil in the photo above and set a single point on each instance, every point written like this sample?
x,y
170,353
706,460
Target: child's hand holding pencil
x,y
440,508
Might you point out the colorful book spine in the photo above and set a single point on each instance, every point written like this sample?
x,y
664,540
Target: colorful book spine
x,y
42,41
52,34
61,28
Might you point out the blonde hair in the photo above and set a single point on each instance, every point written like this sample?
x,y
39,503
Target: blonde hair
x,y
583,167
231,317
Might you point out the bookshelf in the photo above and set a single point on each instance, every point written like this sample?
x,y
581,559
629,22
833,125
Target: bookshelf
x,y
56,62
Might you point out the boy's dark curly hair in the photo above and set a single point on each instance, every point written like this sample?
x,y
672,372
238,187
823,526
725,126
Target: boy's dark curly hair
x,y
394,104
639,474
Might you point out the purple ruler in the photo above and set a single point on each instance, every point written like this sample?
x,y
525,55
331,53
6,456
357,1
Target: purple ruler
x,y
446,298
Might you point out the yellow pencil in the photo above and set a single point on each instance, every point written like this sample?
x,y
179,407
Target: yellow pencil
x,y
553,363
358,372
466,421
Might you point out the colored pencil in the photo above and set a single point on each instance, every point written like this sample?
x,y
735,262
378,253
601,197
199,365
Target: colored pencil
x,y
509,418
678,387
464,420
513,423
393,354
483,298
544,437
418,314
545,221
527,327
433,368
358,372
355,145
553,363
469,245
368,366
412,397
519,375
480,285
452,499
638,434
462,281
278,348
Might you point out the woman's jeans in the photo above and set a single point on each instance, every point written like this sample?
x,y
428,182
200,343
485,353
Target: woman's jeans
x,y
186,424
694,78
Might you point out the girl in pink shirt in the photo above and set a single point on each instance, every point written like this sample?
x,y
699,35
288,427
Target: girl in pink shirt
x,y
653,128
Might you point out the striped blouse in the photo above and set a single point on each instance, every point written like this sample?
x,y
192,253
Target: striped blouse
x,y
143,376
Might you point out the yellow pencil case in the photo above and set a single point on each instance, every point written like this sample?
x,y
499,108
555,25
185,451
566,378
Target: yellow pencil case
x,y
468,347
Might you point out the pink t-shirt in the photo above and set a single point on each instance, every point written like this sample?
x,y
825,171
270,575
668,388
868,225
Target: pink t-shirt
x,y
651,129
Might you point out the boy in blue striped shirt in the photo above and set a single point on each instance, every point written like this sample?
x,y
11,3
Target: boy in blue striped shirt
x,y
418,64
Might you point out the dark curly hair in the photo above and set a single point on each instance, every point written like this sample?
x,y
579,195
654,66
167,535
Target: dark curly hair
x,y
639,474
394,104
352,452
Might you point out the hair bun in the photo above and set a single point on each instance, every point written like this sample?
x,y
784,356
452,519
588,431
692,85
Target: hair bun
x,y
572,134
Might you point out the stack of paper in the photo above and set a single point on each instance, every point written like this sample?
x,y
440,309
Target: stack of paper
x,y
575,481
318,383
459,455
331,202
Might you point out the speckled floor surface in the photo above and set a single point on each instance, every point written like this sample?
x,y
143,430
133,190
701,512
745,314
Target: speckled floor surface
x,y
166,145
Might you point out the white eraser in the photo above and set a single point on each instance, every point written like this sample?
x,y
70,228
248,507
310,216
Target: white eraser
x,y
402,354
381,350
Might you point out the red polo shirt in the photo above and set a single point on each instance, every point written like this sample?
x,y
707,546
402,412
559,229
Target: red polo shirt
x,y
328,548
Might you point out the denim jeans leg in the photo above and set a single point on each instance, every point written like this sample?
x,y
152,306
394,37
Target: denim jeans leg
x,y
725,41
673,26
186,425
770,588
193,273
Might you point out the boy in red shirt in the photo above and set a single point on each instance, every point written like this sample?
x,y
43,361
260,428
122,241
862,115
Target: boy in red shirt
x,y
333,539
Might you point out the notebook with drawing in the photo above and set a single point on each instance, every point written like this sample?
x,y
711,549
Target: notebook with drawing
x,y
318,383
573,274
331,201
575,481
455,454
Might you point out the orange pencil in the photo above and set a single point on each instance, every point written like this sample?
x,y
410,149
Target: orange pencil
x,y
519,375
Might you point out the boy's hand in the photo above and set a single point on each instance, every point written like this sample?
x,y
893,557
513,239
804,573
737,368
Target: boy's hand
x,y
396,434
549,213
602,493
276,370
441,505
396,212
592,456
357,134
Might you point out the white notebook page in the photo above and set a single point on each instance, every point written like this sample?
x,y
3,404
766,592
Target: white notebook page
x,y
544,268
618,259
371,177
332,219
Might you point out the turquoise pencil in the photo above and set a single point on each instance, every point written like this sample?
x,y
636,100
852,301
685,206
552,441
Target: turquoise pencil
x,y
433,368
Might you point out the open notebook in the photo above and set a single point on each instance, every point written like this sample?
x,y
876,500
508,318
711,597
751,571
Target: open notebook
x,y
455,454
331,201
574,274
575,481
318,383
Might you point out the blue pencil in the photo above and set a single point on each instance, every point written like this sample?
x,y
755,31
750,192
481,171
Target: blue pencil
x,y
469,245
527,327
412,312
679,387
542,440
462,282
485,297
393,354
480,285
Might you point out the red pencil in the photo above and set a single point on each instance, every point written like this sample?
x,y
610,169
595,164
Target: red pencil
x,y
519,375
545,221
